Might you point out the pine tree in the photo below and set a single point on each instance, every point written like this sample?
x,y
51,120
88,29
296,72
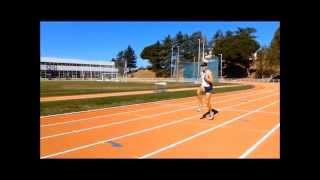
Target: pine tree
x,y
237,47
119,62
130,57
167,44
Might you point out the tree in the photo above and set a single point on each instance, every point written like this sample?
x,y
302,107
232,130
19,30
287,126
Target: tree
x,y
166,56
153,54
229,34
195,42
268,58
130,57
125,55
237,47
179,38
159,54
274,55
119,62
216,37
206,45
186,49
261,64
246,32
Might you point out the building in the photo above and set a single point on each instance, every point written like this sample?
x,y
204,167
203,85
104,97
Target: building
x,y
60,68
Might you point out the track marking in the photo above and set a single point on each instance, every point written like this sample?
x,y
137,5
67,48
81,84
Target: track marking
x,y
133,133
264,112
108,115
119,137
253,147
205,131
139,118
156,102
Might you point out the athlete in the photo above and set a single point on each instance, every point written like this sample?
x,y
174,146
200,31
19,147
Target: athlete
x,y
206,88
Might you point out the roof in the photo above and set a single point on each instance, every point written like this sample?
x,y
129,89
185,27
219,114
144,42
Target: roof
x,y
76,61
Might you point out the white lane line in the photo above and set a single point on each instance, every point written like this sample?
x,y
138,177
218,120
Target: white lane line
x,y
133,133
114,123
156,102
264,112
106,115
138,118
123,106
109,115
205,131
115,138
260,141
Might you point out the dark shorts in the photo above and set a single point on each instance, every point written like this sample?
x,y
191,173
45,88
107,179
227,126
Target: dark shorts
x,y
208,89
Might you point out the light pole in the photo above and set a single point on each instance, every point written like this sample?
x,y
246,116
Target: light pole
x,y
177,68
198,74
220,65
125,69
248,70
171,62
194,67
202,50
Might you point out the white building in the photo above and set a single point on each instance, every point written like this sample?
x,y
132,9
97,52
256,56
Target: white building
x,y
60,68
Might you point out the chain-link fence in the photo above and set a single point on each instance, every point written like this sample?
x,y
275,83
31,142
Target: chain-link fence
x,y
190,70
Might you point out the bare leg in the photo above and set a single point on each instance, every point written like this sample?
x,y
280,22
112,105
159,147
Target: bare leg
x,y
209,105
199,97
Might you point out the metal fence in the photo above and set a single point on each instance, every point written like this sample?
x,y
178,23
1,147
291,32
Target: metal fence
x,y
264,80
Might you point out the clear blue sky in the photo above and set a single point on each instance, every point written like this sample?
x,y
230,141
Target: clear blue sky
x,y
103,40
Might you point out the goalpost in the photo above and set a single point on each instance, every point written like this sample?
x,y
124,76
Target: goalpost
x,y
108,76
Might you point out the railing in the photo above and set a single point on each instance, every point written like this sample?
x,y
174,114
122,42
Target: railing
x,y
154,80
249,80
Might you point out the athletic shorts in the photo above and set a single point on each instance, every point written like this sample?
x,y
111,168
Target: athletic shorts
x,y
208,89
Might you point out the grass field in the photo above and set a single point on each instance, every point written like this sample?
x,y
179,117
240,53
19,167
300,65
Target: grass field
x,y
58,107
62,88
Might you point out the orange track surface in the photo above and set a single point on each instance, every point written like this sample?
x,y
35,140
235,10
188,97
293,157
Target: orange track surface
x,y
170,129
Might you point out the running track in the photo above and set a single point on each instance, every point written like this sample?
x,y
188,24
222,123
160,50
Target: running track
x,y
247,126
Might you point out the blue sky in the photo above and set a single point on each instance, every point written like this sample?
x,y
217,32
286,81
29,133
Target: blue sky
x,y
103,40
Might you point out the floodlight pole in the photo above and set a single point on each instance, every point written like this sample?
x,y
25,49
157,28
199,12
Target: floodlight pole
x,y
220,65
194,67
202,50
177,67
171,61
125,69
198,61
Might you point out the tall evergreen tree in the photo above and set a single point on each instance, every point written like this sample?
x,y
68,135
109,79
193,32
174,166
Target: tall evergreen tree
x,y
274,55
167,44
154,54
237,47
119,62
130,57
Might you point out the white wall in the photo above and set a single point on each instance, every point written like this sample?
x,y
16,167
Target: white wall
x,y
81,68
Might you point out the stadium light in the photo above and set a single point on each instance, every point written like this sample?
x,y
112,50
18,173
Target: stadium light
x,y
202,50
220,65
173,64
177,68
171,61
198,60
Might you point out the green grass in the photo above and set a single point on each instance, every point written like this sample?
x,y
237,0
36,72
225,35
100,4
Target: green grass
x,y
62,88
58,107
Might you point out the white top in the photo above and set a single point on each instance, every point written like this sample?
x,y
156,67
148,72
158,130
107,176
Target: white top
x,y
203,75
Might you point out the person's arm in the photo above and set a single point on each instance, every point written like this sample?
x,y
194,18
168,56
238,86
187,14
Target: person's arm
x,y
209,78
